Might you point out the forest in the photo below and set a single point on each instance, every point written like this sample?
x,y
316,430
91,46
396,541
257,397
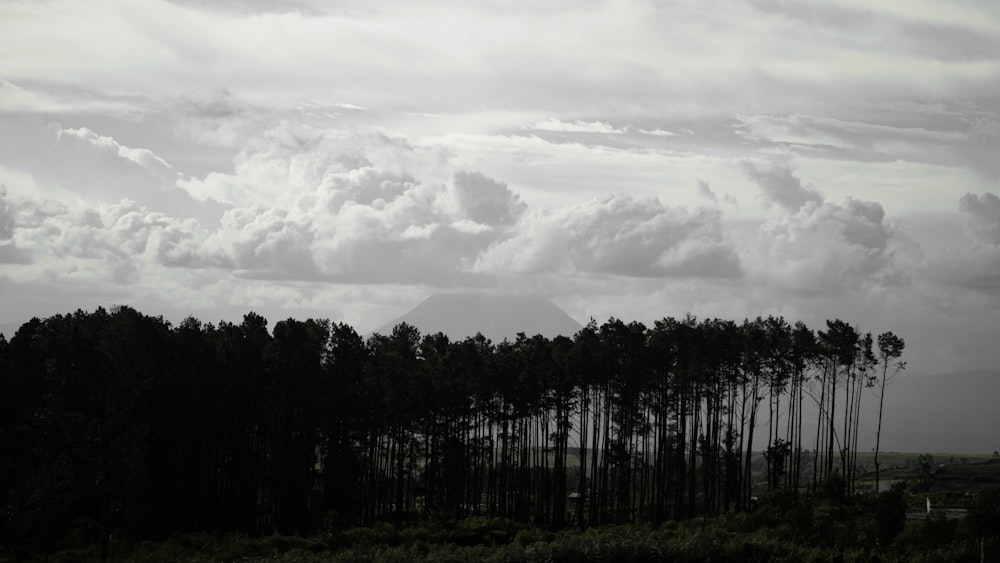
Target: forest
x,y
113,422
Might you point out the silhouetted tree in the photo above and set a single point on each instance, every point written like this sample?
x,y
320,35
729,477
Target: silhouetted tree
x,y
116,421
890,349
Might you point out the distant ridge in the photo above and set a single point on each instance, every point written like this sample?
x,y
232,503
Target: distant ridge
x,y
952,412
942,413
496,316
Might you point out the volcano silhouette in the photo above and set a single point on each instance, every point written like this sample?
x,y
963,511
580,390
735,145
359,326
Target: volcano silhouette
x,y
495,316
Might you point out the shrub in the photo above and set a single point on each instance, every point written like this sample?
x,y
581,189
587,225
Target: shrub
x,y
890,514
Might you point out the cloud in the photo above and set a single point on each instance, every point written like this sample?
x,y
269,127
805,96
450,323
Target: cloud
x,y
264,241
287,163
982,217
69,244
81,162
362,226
832,248
608,56
706,192
557,125
976,268
779,186
119,243
142,157
945,134
403,230
215,118
337,206
616,234
6,216
485,200
977,265
13,98
9,251
818,247
408,162
347,210
250,7
654,132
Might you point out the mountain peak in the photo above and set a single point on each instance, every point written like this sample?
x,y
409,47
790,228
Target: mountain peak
x,y
460,315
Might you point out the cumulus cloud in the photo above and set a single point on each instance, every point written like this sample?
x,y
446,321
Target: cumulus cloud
x,y
485,200
340,216
9,251
260,239
328,205
364,225
111,242
6,216
826,247
821,247
288,165
323,205
982,217
616,234
779,186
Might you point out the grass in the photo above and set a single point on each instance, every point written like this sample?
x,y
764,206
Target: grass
x,y
729,538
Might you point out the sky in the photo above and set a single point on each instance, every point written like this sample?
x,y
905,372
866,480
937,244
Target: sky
x,y
636,159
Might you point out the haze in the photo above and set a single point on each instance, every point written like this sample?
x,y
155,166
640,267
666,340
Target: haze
x,y
628,159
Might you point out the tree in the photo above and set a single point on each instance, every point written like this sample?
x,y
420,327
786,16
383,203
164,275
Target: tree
x,y
583,361
347,427
803,356
840,347
890,348
397,362
118,422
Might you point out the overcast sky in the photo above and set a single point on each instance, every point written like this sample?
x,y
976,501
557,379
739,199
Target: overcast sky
x,y
640,159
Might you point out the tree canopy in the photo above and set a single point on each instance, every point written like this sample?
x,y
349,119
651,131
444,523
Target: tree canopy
x,y
114,420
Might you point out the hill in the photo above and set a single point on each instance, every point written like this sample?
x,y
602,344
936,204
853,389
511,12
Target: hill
x,y
495,316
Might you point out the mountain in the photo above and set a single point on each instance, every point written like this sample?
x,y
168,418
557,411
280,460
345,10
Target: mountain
x,y
496,316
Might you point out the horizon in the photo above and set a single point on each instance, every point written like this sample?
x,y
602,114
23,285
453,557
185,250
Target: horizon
x,y
8,329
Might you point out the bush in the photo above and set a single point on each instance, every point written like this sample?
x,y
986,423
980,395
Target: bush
x,y
890,513
984,516
485,531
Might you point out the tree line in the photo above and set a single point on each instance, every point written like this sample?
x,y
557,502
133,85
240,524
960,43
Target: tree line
x,y
114,420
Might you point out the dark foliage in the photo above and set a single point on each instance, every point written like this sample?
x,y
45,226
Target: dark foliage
x,y
113,421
